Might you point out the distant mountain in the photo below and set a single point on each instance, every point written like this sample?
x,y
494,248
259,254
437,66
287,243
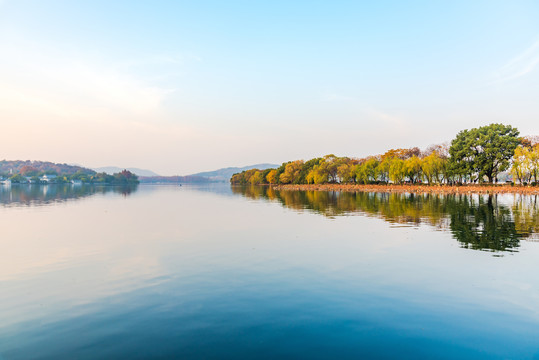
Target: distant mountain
x,y
225,174
115,169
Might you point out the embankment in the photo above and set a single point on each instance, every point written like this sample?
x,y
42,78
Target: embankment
x,y
408,188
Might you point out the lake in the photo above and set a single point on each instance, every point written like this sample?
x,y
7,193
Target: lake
x,y
220,272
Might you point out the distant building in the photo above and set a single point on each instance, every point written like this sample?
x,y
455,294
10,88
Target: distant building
x,y
48,178
76,182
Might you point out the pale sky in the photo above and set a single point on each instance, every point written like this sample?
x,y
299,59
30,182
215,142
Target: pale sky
x,y
179,87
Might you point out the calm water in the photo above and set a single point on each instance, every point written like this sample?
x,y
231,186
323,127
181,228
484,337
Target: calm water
x,y
219,272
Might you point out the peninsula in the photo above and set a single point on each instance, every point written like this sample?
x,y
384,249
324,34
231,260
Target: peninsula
x,y
488,159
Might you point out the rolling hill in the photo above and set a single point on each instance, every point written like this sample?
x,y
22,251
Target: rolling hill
x,y
225,174
15,167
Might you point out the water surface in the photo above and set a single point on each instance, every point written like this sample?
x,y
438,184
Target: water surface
x,y
219,272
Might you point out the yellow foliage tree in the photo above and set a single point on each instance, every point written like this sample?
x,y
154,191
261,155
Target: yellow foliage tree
x,y
291,172
271,178
521,168
256,178
397,170
413,168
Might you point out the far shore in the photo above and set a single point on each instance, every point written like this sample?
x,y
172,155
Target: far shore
x,y
418,189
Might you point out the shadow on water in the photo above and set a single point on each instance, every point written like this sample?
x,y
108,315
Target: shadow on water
x,y
36,195
478,222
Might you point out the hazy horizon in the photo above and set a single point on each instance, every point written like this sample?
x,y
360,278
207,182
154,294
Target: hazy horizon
x,y
181,88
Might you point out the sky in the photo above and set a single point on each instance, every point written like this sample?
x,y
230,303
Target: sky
x,y
179,87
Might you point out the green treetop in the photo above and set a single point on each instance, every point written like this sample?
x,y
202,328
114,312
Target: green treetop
x,y
483,151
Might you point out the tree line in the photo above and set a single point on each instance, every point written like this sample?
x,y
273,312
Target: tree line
x,y
476,155
29,175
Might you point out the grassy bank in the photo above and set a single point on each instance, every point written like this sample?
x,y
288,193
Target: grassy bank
x,y
408,188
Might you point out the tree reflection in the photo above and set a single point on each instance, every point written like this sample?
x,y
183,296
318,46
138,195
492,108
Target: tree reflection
x,y
483,224
35,195
476,221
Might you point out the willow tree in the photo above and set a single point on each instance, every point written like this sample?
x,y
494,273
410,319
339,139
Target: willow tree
x,y
521,168
367,171
397,170
433,167
413,168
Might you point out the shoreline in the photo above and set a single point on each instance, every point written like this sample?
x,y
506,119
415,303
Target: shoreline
x,y
417,189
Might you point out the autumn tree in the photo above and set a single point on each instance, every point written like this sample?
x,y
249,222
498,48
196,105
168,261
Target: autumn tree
x,y
534,162
383,169
397,170
433,168
271,178
256,179
306,169
367,171
521,168
413,168
526,163
327,168
125,177
346,170
291,172
28,170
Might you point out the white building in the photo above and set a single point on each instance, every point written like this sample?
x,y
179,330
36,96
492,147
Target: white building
x,y
48,178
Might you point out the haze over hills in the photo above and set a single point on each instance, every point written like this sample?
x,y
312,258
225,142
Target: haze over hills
x,y
17,166
115,169
219,175
225,174
148,176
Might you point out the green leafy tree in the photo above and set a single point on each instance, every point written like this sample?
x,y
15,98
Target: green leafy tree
x,y
17,178
483,151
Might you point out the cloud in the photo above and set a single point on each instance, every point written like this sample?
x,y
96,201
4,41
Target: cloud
x,y
37,81
67,107
520,65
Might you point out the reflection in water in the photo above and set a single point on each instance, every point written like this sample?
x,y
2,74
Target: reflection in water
x,y
184,272
17,195
476,221
482,224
